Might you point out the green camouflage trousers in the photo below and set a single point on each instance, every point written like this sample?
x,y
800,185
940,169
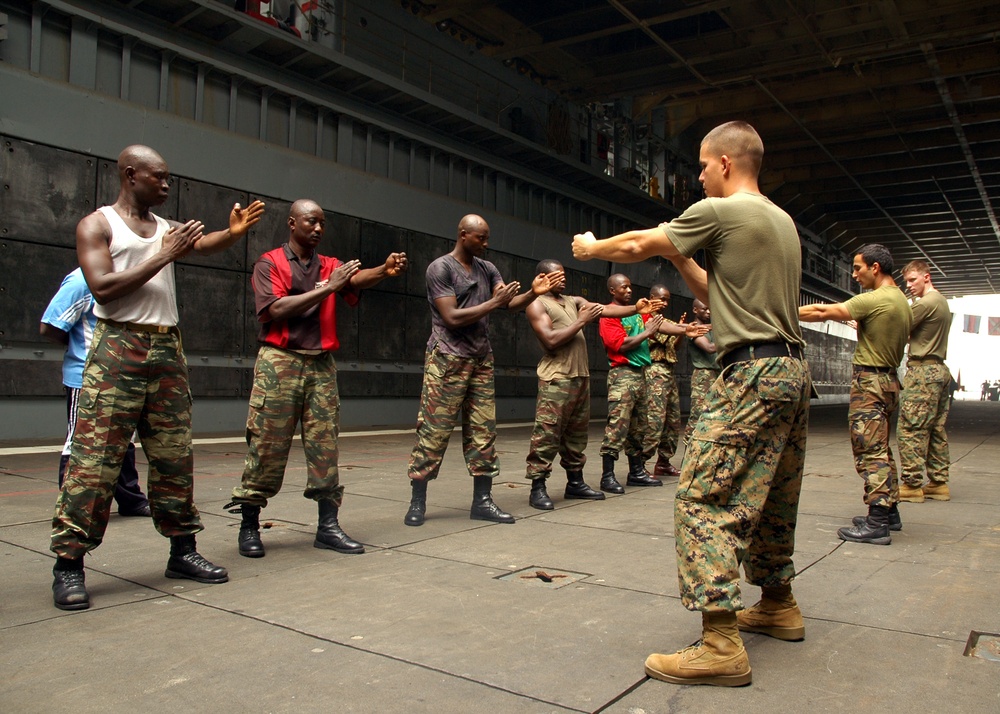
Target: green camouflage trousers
x,y
289,388
701,381
663,412
923,411
738,495
874,397
456,388
133,381
626,425
562,417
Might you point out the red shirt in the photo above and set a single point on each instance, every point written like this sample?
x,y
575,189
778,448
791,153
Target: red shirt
x,y
279,273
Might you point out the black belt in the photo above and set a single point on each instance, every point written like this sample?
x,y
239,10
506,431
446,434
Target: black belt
x,y
925,359
861,368
760,350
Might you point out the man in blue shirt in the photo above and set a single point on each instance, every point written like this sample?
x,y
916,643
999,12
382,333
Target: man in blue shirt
x,y
69,320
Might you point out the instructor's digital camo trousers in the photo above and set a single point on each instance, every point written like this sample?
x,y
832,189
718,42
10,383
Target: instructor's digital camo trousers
x,y
701,382
133,381
738,495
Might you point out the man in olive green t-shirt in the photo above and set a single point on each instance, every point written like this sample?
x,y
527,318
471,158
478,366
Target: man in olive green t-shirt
x,y
883,320
738,495
923,407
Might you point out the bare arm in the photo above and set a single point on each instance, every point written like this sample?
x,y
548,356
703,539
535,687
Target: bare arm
x,y
93,238
455,317
240,221
705,344
294,305
53,334
819,313
551,338
394,265
629,247
542,283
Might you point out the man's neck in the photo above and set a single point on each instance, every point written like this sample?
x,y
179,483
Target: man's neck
x,y
128,207
301,252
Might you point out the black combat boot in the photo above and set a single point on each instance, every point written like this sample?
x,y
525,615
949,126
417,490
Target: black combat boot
x,y
330,535
637,474
185,562
895,522
576,487
483,508
539,497
249,537
69,591
418,503
608,481
874,529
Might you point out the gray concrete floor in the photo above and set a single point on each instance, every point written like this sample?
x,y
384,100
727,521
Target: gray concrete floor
x,y
425,622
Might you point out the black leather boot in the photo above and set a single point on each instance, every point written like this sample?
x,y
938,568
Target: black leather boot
x,y
608,481
637,474
576,487
895,522
69,589
185,562
539,497
418,503
330,535
249,537
874,529
483,508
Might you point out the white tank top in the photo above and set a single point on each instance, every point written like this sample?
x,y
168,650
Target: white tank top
x,y
155,303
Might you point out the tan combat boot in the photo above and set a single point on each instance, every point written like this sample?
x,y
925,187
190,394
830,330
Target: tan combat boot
x,y
911,494
936,491
717,659
776,615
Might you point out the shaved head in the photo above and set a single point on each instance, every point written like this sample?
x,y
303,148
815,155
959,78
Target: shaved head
x,y
549,265
617,279
139,156
472,224
301,206
699,305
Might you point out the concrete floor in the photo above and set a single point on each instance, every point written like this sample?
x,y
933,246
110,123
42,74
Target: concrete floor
x,y
425,622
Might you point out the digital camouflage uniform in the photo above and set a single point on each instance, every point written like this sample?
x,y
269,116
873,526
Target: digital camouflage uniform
x,y
874,398
701,382
562,418
923,411
738,494
288,388
663,403
456,387
133,381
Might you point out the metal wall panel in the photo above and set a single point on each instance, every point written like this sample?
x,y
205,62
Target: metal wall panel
x,y
26,378
378,240
211,304
29,276
214,381
144,77
45,192
382,324
211,205
421,250
271,231
417,315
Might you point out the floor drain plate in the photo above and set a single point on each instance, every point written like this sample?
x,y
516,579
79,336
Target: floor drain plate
x,y
984,645
536,576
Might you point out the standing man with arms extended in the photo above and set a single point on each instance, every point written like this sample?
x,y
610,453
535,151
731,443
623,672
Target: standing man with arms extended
x,y
562,410
136,377
463,289
705,367
927,392
295,378
70,320
626,340
883,318
737,498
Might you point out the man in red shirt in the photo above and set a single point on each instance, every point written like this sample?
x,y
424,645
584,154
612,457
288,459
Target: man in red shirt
x,y
295,378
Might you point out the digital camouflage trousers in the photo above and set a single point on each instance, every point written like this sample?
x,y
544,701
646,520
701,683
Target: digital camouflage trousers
x,y
701,381
133,382
562,418
874,397
626,425
920,432
456,388
289,389
738,495
663,412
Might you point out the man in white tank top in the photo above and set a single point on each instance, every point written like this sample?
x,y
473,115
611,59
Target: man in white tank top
x,y
136,376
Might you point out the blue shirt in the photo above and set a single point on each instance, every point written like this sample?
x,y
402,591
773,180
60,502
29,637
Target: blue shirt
x,y
72,311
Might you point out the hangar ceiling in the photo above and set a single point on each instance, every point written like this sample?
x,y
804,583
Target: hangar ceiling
x,y
879,118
